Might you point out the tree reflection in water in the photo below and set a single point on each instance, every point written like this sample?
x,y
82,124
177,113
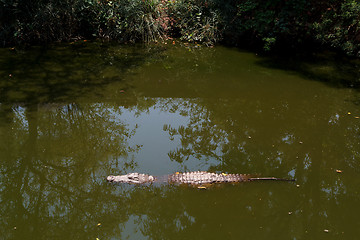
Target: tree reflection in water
x,y
53,170
55,154
308,149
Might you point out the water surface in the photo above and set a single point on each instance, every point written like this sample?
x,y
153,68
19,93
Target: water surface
x,y
71,114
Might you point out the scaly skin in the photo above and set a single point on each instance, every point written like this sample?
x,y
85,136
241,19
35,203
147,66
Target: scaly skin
x,y
194,178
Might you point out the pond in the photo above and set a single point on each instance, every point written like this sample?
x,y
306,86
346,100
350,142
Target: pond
x,y
72,114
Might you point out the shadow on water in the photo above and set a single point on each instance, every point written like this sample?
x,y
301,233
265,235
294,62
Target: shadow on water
x,y
63,73
330,68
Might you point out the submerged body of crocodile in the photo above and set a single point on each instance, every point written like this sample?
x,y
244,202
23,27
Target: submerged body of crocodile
x,y
195,178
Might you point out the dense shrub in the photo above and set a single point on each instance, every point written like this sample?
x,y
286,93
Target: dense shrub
x,y
36,20
272,21
127,20
294,23
196,20
269,24
339,27
44,21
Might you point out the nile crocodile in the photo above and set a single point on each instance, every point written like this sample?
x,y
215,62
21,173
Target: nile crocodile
x,y
194,178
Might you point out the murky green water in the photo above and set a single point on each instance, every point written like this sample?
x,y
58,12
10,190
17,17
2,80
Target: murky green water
x,y
72,114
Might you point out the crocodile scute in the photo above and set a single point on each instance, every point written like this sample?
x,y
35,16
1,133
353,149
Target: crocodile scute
x,y
194,178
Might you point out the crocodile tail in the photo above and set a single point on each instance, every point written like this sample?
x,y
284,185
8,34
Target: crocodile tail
x,y
269,178
244,177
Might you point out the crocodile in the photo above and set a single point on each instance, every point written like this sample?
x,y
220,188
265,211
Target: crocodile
x,y
192,178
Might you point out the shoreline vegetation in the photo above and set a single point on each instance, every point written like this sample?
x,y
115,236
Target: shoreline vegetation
x,y
267,25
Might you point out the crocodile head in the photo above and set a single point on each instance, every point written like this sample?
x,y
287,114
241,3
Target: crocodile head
x,y
132,178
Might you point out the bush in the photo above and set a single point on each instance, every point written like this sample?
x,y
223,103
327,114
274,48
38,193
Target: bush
x,y
339,27
56,20
126,20
196,20
271,24
36,21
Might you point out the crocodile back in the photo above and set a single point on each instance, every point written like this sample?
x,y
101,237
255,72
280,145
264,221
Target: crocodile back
x,y
202,177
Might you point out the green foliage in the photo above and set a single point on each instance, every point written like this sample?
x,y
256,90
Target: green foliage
x,y
44,21
268,43
128,20
339,27
36,20
196,20
271,21
292,23
270,24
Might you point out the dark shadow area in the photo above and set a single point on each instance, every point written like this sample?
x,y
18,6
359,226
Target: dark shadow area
x,y
66,72
335,70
